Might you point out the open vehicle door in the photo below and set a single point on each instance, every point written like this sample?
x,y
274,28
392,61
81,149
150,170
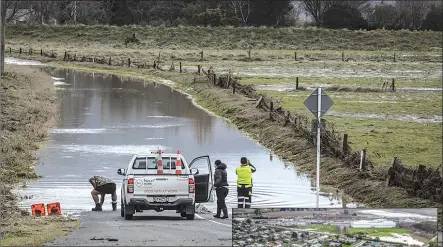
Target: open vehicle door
x,y
204,178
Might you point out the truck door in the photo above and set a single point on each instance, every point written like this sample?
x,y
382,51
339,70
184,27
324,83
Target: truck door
x,y
204,178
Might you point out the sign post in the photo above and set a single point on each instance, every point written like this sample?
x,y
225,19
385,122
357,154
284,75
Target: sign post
x,y
318,103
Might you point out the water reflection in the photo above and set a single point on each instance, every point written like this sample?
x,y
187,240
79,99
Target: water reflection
x,y
104,120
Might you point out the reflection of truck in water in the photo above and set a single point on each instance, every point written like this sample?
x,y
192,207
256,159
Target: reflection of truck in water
x,y
164,181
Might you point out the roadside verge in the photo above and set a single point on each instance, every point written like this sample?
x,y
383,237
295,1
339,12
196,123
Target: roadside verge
x,y
28,109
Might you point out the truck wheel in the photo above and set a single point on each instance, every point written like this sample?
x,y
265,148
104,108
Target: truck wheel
x,y
127,216
190,216
183,214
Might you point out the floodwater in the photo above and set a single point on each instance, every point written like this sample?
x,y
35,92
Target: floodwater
x,y
104,120
293,71
292,87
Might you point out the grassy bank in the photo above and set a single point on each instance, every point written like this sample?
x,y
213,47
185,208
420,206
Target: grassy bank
x,y
182,38
28,105
241,111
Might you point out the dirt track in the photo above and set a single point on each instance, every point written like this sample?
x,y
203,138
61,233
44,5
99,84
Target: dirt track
x,y
148,229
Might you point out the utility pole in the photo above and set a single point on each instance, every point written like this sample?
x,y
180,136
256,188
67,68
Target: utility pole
x,y
2,36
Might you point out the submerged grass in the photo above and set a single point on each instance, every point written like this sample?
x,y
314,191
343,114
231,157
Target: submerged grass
x,y
344,82
28,105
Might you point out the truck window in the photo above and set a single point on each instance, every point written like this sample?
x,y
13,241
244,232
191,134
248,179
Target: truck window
x,y
140,163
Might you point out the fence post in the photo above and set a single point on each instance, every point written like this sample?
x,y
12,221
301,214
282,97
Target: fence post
x,y
286,119
30,51
296,83
342,56
41,52
109,61
65,56
249,53
345,144
259,102
215,79
295,56
198,69
201,55
129,62
363,159
394,56
20,50
10,50
233,87
180,67
159,56
393,85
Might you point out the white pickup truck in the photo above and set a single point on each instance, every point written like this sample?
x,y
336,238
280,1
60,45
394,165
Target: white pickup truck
x,y
164,181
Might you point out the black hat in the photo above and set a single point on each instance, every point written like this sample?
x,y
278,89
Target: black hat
x,y
217,162
243,160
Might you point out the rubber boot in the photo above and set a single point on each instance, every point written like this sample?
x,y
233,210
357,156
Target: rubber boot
x,y
114,206
98,207
225,213
218,213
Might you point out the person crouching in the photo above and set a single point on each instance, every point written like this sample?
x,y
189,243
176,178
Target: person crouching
x,y
102,186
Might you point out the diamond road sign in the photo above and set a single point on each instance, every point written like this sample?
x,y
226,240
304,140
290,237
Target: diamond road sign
x,y
312,102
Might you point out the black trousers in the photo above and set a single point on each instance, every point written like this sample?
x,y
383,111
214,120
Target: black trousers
x,y
222,193
244,196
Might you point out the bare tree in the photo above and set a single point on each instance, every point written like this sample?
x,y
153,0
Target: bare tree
x,y
316,9
411,13
242,8
296,11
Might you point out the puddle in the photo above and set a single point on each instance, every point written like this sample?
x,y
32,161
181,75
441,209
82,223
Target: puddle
x,y
17,61
169,82
409,118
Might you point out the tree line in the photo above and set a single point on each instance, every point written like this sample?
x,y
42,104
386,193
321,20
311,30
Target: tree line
x,y
350,14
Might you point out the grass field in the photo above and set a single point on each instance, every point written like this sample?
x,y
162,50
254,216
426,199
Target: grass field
x,y
379,232
404,124
186,38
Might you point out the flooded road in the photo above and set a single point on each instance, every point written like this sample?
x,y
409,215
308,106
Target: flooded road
x,y
104,120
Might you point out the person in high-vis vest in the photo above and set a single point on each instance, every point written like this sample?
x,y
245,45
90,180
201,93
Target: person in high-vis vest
x,y
244,183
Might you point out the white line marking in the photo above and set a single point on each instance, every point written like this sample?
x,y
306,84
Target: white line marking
x,y
213,221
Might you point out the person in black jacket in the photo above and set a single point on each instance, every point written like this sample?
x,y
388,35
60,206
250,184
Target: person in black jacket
x,y
221,188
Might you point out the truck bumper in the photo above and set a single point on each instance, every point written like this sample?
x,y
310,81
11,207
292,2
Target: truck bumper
x,y
143,204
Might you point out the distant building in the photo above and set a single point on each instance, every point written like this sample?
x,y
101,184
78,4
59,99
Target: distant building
x,y
381,223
